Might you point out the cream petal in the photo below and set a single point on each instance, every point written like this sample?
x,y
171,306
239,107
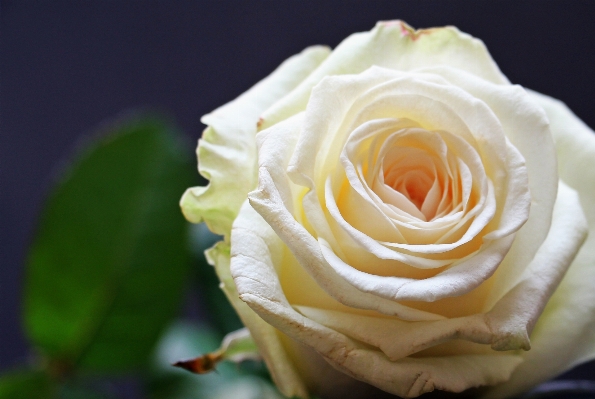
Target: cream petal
x,y
398,338
370,245
575,148
227,149
393,158
408,377
431,201
397,46
377,130
465,94
265,336
564,335
397,201
364,214
275,147
330,102
411,377
464,225
462,277
499,156
517,312
339,104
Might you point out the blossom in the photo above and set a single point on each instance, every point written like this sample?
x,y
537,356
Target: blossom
x,y
398,209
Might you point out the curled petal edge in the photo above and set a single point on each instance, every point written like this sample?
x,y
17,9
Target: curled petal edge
x,y
227,150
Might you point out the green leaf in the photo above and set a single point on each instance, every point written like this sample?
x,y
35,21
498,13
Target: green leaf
x,y
26,385
109,263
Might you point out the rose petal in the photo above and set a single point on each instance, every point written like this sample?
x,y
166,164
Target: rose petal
x,y
227,149
265,336
393,45
459,279
507,325
399,223
564,335
575,147
481,214
399,338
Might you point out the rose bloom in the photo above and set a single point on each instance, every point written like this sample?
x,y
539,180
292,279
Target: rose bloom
x,y
397,213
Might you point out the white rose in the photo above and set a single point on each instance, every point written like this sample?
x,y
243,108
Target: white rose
x,y
405,214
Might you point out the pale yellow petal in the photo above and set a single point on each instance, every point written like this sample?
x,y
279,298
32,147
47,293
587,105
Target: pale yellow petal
x,y
227,150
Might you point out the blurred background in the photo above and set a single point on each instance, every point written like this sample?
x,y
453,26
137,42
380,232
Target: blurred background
x,y
67,66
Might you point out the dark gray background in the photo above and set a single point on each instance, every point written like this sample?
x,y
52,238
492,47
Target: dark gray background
x,y
67,66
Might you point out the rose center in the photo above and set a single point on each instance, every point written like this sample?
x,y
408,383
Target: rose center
x,y
413,184
411,175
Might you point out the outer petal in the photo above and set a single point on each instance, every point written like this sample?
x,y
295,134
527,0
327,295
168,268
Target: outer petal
x,y
515,315
393,45
265,336
564,335
227,150
575,147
